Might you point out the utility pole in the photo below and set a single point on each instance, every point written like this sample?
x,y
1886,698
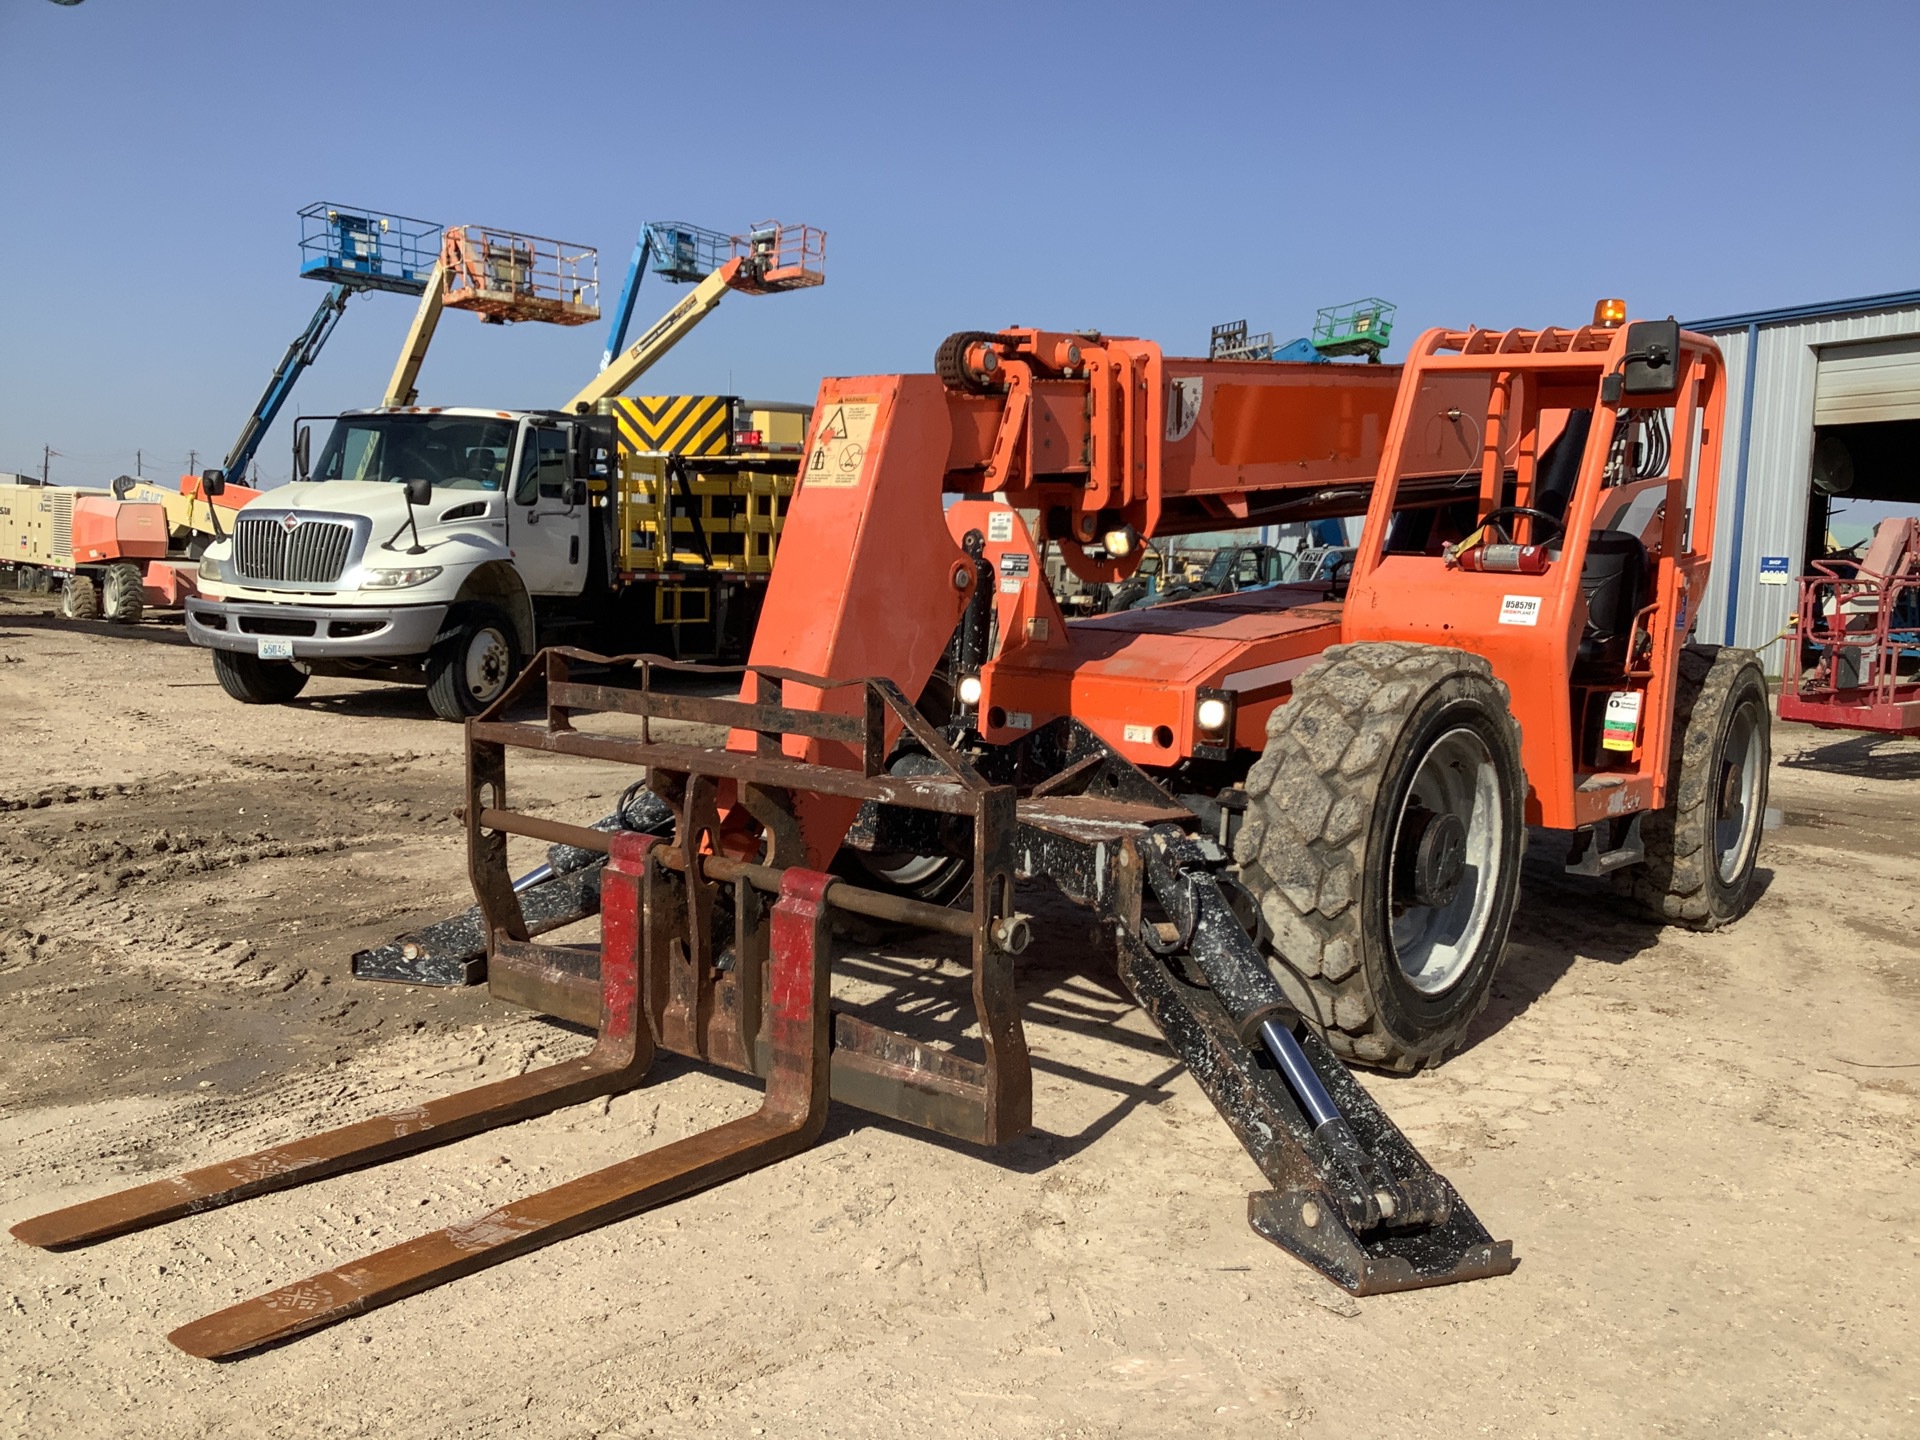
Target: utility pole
x,y
137,472
47,452
193,462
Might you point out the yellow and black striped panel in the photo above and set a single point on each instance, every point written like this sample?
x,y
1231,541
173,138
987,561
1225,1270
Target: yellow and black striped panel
x,y
676,424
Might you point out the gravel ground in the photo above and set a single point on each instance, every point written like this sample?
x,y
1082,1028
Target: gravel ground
x,y
1703,1147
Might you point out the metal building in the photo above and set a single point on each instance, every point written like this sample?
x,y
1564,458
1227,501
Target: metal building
x,y
1822,401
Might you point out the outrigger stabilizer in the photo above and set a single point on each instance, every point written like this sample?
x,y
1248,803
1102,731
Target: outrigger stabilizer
x,y
726,960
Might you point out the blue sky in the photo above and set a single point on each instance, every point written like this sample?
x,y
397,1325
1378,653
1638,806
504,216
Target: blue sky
x,y
1142,169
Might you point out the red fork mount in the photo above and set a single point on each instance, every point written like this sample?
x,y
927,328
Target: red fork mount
x,y
702,997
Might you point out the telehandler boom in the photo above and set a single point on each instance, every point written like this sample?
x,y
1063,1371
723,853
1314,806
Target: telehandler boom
x,y
1298,815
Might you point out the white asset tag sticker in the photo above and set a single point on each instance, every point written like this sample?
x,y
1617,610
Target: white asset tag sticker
x,y
1520,610
276,649
1009,585
1138,734
1019,720
1000,527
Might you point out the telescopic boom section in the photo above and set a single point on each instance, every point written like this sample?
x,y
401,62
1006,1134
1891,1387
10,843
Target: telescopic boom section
x,y
1103,432
767,259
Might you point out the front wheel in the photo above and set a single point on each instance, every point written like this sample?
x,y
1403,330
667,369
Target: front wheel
x,y
472,662
123,598
253,681
80,598
1383,837
1701,849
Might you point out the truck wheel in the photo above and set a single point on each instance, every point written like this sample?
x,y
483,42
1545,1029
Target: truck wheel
x,y
80,598
253,681
1383,837
122,597
1702,847
472,662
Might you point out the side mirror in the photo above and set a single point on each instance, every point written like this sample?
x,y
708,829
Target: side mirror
x,y
1653,357
577,493
419,490
589,452
302,445
213,482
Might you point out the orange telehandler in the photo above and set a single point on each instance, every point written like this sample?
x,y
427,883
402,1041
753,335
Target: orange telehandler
x,y
1298,812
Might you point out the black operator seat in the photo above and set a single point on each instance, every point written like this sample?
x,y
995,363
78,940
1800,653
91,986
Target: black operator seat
x,y
1614,575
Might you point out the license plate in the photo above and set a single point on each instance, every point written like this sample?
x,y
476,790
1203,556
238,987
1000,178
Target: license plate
x,y
276,649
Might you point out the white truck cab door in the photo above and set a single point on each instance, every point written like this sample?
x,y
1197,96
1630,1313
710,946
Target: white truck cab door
x,y
547,515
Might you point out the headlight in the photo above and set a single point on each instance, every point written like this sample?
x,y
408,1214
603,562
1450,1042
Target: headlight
x,y
1211,714
210,568
970,690
397,579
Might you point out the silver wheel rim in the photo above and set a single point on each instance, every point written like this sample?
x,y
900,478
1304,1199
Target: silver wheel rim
x,y
902,868
488,665
1736,807
1435,944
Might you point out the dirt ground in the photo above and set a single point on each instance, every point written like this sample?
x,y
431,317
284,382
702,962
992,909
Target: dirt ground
x,y
1702,1147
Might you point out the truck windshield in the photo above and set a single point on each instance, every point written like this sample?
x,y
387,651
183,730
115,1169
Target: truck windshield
x,y
454,452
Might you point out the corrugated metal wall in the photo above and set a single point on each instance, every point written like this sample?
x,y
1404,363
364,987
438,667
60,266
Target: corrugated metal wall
x,y
1774,520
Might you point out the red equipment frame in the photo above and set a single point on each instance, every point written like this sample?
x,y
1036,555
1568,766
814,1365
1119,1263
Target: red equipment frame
x,y
1854,682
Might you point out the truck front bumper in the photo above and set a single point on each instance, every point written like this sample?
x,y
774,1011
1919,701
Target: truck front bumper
x,y
318,632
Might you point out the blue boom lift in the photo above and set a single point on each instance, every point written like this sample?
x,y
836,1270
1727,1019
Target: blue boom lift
x,y
353,250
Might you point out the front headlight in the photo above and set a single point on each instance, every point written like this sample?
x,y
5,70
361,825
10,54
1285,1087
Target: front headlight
x,y
210,568
397,579
970,690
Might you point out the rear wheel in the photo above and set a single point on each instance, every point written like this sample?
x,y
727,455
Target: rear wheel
x,y
1383,837
123,598
472,662
80,598
253,681
1701,849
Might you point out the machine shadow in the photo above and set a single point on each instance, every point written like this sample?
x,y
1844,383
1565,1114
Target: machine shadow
x,y
169,630
1860,757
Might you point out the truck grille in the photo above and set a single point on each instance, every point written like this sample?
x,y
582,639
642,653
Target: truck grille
x,y
314,552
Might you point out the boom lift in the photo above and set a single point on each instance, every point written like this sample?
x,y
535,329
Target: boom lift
x,y
1853,658
1298,817
353,251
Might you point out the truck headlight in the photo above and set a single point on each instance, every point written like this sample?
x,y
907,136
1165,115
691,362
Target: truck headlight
x,y
1211,714
210,568
970,690
397,579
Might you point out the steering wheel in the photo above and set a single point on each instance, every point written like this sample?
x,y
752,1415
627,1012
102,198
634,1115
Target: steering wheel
x,y
1539,517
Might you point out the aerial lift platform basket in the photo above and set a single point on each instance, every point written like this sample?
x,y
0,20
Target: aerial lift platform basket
x,y
1853,657
505,276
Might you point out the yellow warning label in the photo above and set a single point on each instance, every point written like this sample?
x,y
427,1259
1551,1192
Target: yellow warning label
x,y
838,455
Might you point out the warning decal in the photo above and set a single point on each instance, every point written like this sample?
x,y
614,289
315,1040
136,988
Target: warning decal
x,y
839,452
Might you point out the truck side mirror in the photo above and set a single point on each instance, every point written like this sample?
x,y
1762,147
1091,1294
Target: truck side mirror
x,y
577,493
213,482
1653,357
302,444
419,490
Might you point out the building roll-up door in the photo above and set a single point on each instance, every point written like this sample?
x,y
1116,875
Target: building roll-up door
x,y
1863,384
